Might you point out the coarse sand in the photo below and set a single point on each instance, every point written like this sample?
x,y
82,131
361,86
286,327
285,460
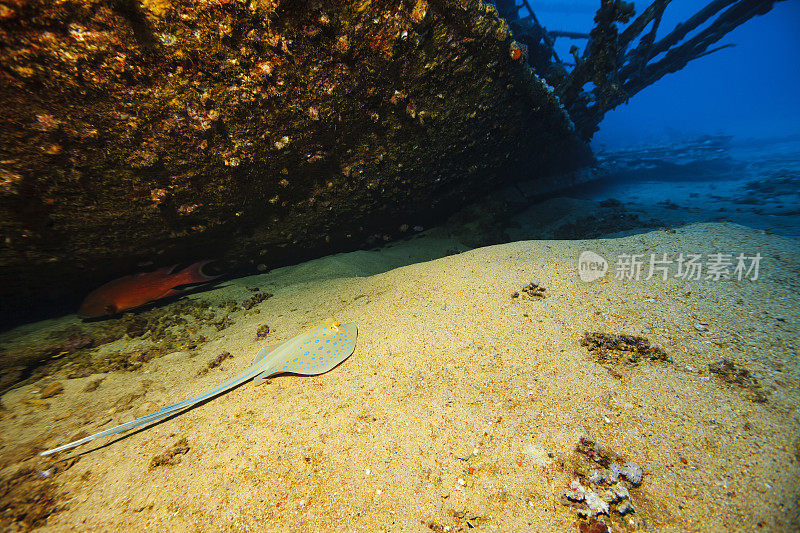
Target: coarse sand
x,y
461,407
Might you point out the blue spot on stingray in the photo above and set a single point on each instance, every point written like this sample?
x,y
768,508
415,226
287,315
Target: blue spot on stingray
x,y
329,351
295,359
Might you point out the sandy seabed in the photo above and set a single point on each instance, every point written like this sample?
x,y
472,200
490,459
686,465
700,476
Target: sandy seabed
x,y
461,407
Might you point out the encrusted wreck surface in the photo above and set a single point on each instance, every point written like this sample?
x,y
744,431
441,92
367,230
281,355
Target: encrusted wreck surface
x,y
260,132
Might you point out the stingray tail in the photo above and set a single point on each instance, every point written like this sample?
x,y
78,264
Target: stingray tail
x,y
166,411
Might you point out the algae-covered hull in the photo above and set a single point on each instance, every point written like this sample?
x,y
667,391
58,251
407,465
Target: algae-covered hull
x,y
255,132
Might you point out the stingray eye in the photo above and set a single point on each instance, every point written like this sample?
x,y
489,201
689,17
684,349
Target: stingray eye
x,y
110,309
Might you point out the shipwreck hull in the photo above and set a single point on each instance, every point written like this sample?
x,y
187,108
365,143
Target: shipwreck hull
x,y
257,133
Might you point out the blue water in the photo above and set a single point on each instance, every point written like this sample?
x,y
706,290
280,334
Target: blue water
x,y
749,90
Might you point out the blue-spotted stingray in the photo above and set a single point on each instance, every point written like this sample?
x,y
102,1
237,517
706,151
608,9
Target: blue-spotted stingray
x,y
314,352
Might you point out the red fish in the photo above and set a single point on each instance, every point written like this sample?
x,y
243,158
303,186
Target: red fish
x,y
129,292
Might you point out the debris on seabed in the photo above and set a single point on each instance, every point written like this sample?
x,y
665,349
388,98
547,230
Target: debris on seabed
x,y
262,332
172,456
533,289
728,372
601,491
621,348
